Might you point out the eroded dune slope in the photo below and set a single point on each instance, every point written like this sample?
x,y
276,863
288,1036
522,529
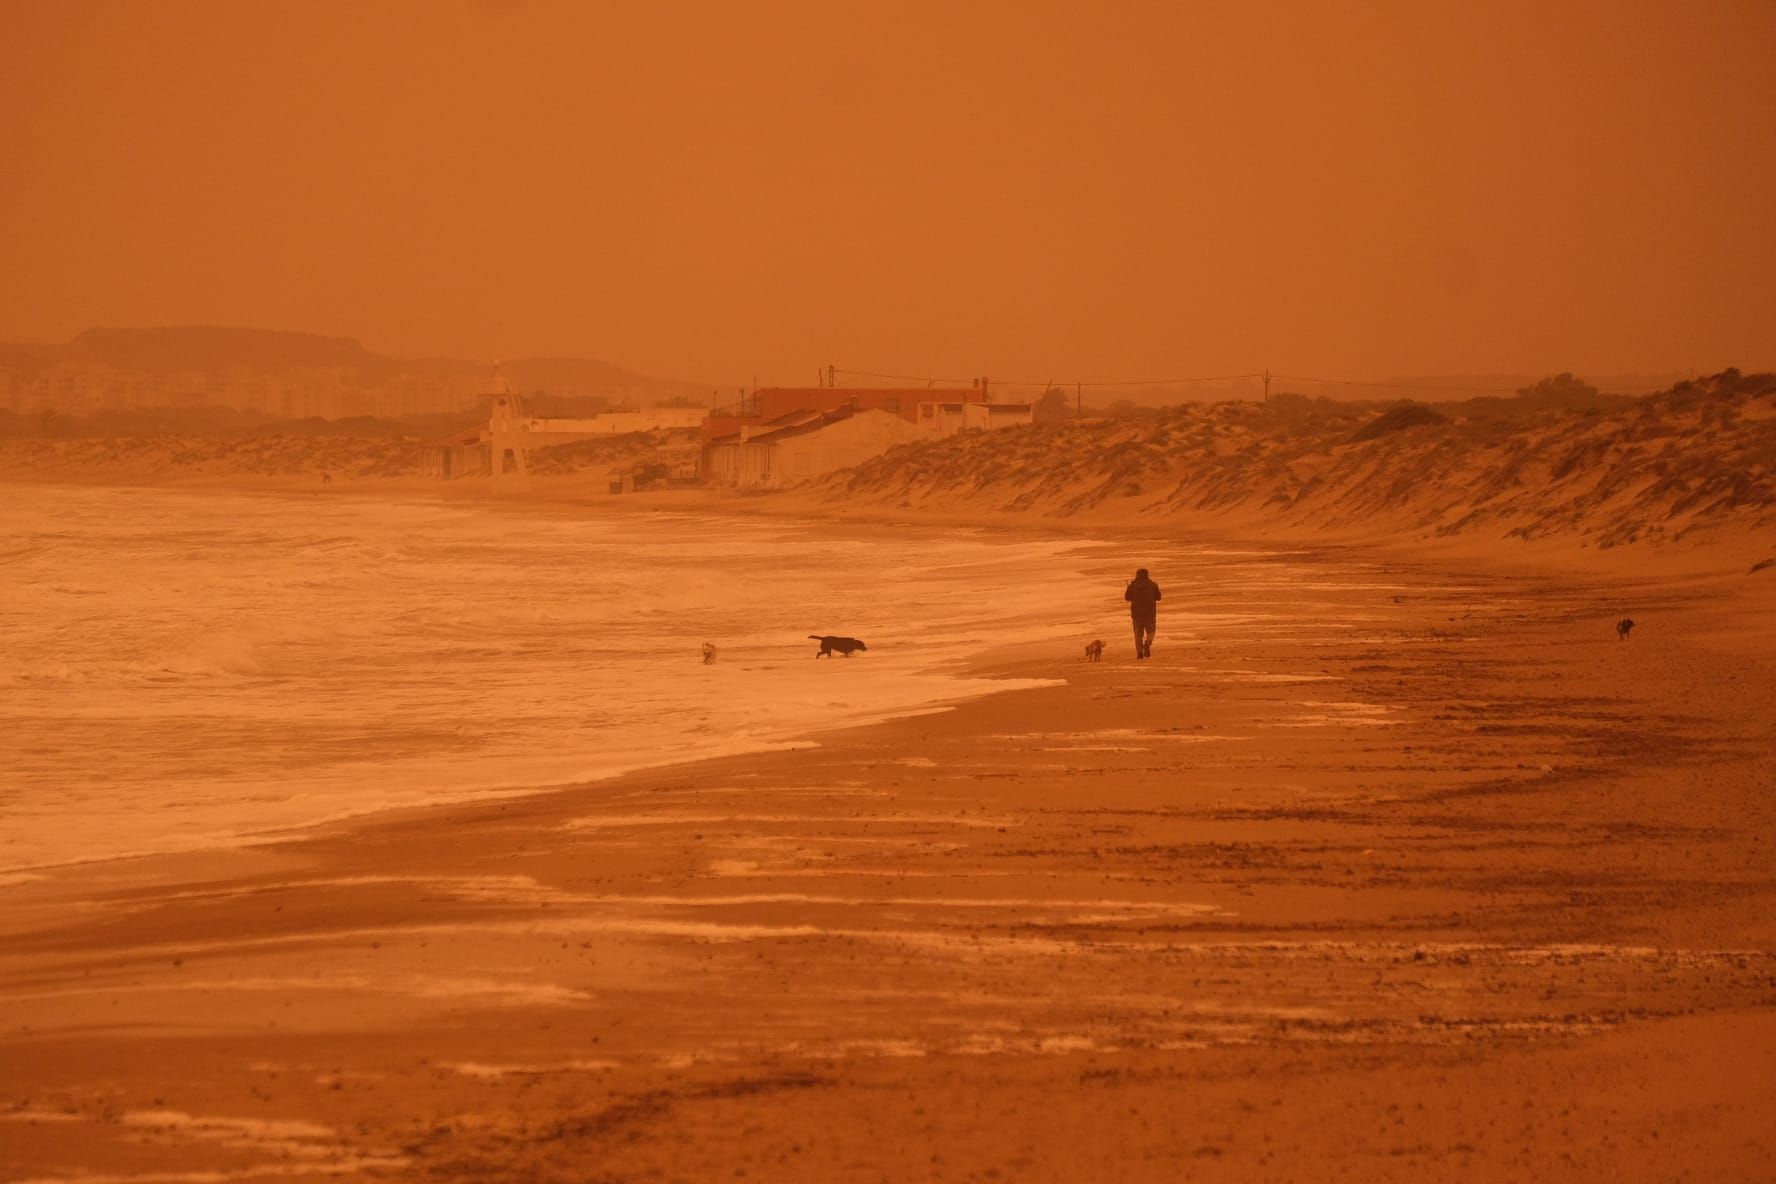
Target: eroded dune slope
x,y
1698,456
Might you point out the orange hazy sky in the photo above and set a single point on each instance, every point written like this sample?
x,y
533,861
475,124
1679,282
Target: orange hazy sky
x,y
1028,190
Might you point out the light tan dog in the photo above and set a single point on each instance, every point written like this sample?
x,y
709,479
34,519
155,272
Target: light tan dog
x,y
1094,651
708,653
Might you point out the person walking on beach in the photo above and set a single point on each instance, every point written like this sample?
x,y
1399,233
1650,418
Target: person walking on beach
x,y
1143,597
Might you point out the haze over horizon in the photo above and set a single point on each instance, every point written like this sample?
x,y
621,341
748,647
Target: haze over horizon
x,y
721,194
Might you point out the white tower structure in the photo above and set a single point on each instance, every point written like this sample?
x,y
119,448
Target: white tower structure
x,y
506,431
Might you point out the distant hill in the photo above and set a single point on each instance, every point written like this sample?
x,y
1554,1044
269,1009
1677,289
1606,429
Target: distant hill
x,y
215,349
1692,458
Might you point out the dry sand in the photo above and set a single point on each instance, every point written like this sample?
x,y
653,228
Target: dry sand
x,y
1468,890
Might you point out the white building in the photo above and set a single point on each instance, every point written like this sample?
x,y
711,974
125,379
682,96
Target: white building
x,y
804,444
612,423
948,418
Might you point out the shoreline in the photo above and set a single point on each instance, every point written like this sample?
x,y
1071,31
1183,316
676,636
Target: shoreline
x,y
992,664
1721,552
1451,854
1709,570
925,674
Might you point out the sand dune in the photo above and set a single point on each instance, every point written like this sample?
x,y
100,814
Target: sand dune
x,y
161,458
153,458
1691,459
1696,463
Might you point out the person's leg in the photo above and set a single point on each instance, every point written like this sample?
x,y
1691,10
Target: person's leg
x,y
1140,652
1147,644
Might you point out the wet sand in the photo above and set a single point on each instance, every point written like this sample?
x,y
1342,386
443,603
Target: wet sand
x,y
1452,884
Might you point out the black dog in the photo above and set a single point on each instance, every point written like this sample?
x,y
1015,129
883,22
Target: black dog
x,y
836,645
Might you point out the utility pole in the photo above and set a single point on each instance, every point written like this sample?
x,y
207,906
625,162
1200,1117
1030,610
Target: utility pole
x,y
1267,384
1078,400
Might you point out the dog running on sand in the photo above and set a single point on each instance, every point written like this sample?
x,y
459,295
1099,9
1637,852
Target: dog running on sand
x,y
1624,627
830,645
1094,652
708,652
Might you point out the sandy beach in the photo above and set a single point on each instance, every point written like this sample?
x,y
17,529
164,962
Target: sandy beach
x,y
554,562
1440,880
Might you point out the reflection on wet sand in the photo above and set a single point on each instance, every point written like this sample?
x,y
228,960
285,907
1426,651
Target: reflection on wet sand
x,y
1150,880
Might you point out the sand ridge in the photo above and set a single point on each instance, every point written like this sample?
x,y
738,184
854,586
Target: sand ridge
x,y
1686,463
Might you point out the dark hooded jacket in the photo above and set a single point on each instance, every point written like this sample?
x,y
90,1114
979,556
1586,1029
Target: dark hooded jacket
x,y
1143,597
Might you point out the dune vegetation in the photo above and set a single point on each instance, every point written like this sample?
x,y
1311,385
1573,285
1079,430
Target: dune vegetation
x,y
340,449
1699,455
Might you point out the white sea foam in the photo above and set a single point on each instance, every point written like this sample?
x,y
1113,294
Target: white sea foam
x,y
187,670
482,1069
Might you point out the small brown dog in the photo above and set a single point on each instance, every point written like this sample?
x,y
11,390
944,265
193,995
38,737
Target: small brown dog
x,y
1624,627
708,652
1094,651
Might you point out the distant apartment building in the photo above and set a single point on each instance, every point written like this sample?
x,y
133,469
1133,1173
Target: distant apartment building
x,y
323,392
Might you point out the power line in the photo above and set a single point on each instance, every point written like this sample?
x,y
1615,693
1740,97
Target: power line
x,y
895,377
1107,383
1045,383
1401,386
1160,381
1453,390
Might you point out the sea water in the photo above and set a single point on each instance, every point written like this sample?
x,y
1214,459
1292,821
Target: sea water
x,y
183,669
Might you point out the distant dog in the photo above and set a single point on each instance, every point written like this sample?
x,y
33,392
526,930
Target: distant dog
x,y
708,653
836,645
326,478
1624,627
1094,651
